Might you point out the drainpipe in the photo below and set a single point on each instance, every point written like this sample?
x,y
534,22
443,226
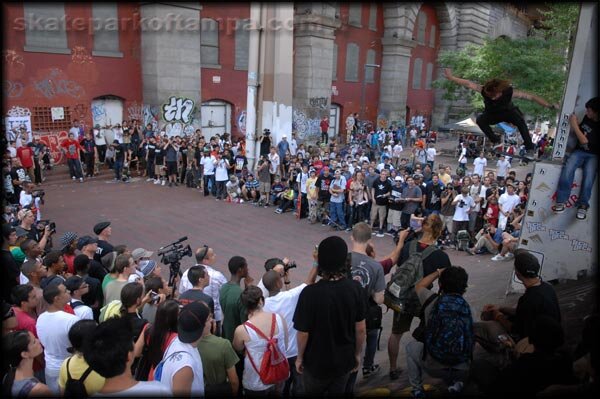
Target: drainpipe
x,y
253,82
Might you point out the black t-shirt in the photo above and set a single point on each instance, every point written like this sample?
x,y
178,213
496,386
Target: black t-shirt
x,y
159,156
88,145
119,152
501,104
265,146
197,295
103,248
328,312
150,148
433,194
437,260
95,291
137,324
10,271
96,270
381,188
184,156
537,301
323,183
590,129
396,193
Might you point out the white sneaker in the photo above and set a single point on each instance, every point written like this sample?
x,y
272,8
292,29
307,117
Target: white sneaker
x,y
81,179
498,257
508,256
156,181
149,179
74,178
241,201
163,182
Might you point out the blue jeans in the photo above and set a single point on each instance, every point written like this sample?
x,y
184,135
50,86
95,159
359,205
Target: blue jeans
x,y
118,169
588,163
336,213
213,187
74,168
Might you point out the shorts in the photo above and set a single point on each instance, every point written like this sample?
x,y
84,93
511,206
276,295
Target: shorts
x,y
401,323
393,218
158,170
171,168
264,187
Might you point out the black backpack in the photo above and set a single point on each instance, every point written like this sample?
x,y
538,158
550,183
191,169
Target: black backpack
x,y
76,388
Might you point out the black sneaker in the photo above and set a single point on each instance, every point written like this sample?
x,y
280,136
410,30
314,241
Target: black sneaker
x,y
369,371
395,374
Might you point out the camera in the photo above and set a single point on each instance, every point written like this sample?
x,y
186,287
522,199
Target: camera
x,y
49,223
412,234
172,255
154,298
38,194
290,265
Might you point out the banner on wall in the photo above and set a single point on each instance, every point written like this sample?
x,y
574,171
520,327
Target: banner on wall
x,y
14,123
58,113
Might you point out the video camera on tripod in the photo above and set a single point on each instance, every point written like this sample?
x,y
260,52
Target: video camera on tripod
x,y
172,255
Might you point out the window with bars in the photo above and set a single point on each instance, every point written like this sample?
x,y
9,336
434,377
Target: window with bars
x,y
41,120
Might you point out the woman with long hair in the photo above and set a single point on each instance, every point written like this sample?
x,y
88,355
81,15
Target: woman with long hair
x,y
247,338
155,338
20,348
358,199
132,299
497,96
523,192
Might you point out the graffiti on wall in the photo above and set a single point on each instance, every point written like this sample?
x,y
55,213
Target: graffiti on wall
x,y
12,59
16,111
135,111
241,122
319,102
55,84
12,89
382,122
304,126
80,56
53,141
98,112
178,110
150,116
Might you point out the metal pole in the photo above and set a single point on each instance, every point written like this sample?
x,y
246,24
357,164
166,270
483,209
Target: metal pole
x,y
253,82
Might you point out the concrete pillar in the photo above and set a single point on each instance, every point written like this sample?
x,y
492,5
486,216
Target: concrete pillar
x,y
314,34
394,78
170,59
253,85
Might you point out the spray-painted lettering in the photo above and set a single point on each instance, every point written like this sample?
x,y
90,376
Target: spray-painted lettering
x,y
581,246
178,110
535,226
12,89
558,235
318,102
54,85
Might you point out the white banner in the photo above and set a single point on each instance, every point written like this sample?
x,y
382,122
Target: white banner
x,y
13,125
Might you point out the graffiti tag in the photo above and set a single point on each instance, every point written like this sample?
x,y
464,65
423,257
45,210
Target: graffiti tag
x,y
54,85
318,102
178,109
558,235
581,246
535,226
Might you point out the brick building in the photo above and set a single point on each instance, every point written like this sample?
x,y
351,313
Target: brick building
x,y
188,66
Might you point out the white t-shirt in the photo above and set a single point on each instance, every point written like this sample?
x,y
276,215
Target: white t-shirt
x,y
284,304
503,167
473,192
431,153
221,171
141,389
217,279
256,348
99,137
293,147
479,165
397,150
118,134
302,178
82,311
209,165
53,332
188,357
274,158
25,199
461,214
508,202
463,156
75,131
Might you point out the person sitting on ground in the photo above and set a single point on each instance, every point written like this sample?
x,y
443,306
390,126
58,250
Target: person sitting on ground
x,y
487,240
530,373
510,236
250,189
287,200
515,322
233,190
19,349
109,351
75,366
445,348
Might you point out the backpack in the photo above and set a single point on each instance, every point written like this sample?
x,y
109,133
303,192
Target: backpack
x,y
76,388
111,309
274,367
400,294
449,336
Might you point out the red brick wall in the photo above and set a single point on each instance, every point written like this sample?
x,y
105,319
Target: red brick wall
x,y
421,101
70,80
232,87
349,93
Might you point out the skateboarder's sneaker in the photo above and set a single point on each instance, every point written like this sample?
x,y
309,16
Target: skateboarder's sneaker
x,y
558,208
581,212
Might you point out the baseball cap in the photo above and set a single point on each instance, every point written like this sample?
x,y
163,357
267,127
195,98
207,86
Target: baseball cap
x,y
100,226
85,240
397,178
147,267
526,263
73,283
139,253
190,322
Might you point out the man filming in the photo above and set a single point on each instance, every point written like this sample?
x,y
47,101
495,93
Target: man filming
x,y
490,238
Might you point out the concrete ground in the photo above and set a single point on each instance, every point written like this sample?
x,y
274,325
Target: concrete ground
x,y
151,216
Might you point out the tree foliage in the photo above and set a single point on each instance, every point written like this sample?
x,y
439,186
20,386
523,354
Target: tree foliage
x,y
536,64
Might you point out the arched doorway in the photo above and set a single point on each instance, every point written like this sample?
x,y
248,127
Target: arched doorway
x,y
107,111
216,118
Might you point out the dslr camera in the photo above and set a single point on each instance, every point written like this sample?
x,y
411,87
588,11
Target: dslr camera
x,y
44,223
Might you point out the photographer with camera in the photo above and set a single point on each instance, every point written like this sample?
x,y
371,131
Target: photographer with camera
x,y
506,203
490,238
464,206
284,303
41,233
172,255
280,266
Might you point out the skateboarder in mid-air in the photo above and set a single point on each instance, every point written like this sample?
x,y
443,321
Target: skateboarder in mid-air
x,y
497,97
